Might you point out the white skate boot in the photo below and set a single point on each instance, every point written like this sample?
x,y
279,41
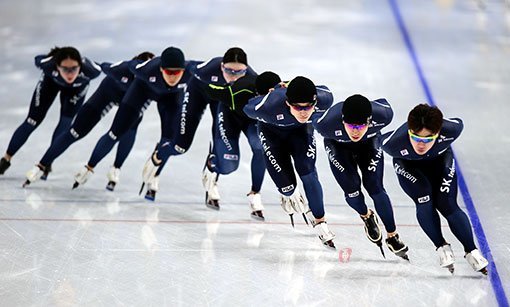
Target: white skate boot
x,y
82,176
34,174
152,188
295,203
309,217
209,181
477,261
113,176
148,177
446,257
149,169
325,234
256,206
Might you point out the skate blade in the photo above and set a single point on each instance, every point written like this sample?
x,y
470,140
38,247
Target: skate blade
x,y
450,268
403,253
213,204
304,217
75,185
329,245
141,188
382,251
110,186
405,257
484,271
257,215
25,184
150,195
292,219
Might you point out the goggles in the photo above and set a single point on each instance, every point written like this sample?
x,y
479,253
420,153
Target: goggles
x,y
307,107
69,69
234,72
356,126
422,139
172,72
302,108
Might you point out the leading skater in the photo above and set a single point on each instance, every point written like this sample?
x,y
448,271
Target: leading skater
x,y
287,135
64,70
425,167
352,139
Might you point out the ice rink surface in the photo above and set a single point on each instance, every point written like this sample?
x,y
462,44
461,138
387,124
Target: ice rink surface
x,y
92,247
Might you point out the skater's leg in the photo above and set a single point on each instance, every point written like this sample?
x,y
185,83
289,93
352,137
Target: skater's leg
x,y
447,205
126,143
124,119
42,98
257,165
370,159
344,169
226,152
417,185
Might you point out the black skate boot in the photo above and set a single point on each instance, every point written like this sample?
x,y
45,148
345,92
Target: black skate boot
x,y
397,247
373,231
46,172
4,165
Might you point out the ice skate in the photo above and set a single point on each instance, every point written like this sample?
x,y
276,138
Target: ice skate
x,y
325,235
256,206
152,188
308,216
150,168
477,261
148,174
113,176
4,165
397,247
82,176
34,174
46,173
294,203
446,257
373,230
209,181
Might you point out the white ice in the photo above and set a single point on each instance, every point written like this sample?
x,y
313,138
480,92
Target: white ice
x,y
91,247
